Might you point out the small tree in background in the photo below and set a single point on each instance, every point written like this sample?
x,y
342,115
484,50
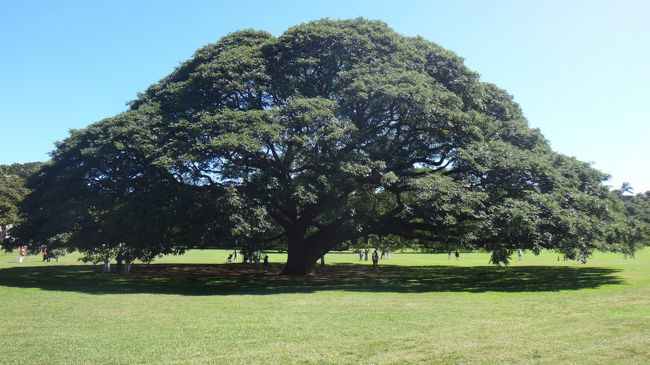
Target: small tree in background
x,y
12,192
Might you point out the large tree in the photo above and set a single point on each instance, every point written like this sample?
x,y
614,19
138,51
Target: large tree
x,y
334,131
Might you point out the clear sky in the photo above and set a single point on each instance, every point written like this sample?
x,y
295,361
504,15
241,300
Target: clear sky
x,y
579,69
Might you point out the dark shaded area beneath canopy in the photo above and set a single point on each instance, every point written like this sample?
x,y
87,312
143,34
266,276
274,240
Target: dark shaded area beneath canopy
x,y
236,279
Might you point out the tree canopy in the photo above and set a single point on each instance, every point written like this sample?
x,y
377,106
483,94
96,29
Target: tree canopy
x,y
332,132
632,222
12,192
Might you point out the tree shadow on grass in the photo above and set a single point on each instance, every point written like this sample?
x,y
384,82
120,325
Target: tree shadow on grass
x,y
240,279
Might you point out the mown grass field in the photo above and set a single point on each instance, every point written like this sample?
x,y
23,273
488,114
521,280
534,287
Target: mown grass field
x,y
423,308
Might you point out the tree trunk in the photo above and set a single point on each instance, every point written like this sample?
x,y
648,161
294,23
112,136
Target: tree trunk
x,y
298,264
107,265
301,257
118,264
127,267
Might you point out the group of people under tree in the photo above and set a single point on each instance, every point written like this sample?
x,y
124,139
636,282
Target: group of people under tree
x,y
232,257
456,255
363,253
250,256
47,254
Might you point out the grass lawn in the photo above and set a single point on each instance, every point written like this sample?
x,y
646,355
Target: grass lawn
x,y
419,308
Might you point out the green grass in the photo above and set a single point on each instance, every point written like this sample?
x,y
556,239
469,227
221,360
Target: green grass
x,y
421,308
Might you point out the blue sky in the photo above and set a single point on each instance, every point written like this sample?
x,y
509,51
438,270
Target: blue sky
x,y
579,69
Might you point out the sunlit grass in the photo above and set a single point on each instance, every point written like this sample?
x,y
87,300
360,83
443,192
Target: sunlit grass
x,y
419,308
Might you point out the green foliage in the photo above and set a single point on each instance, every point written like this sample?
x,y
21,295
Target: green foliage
x,y
631,230
333,132
12,192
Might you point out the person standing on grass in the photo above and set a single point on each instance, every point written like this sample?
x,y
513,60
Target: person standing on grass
x,y
234,255
21,253
457,254
375,259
